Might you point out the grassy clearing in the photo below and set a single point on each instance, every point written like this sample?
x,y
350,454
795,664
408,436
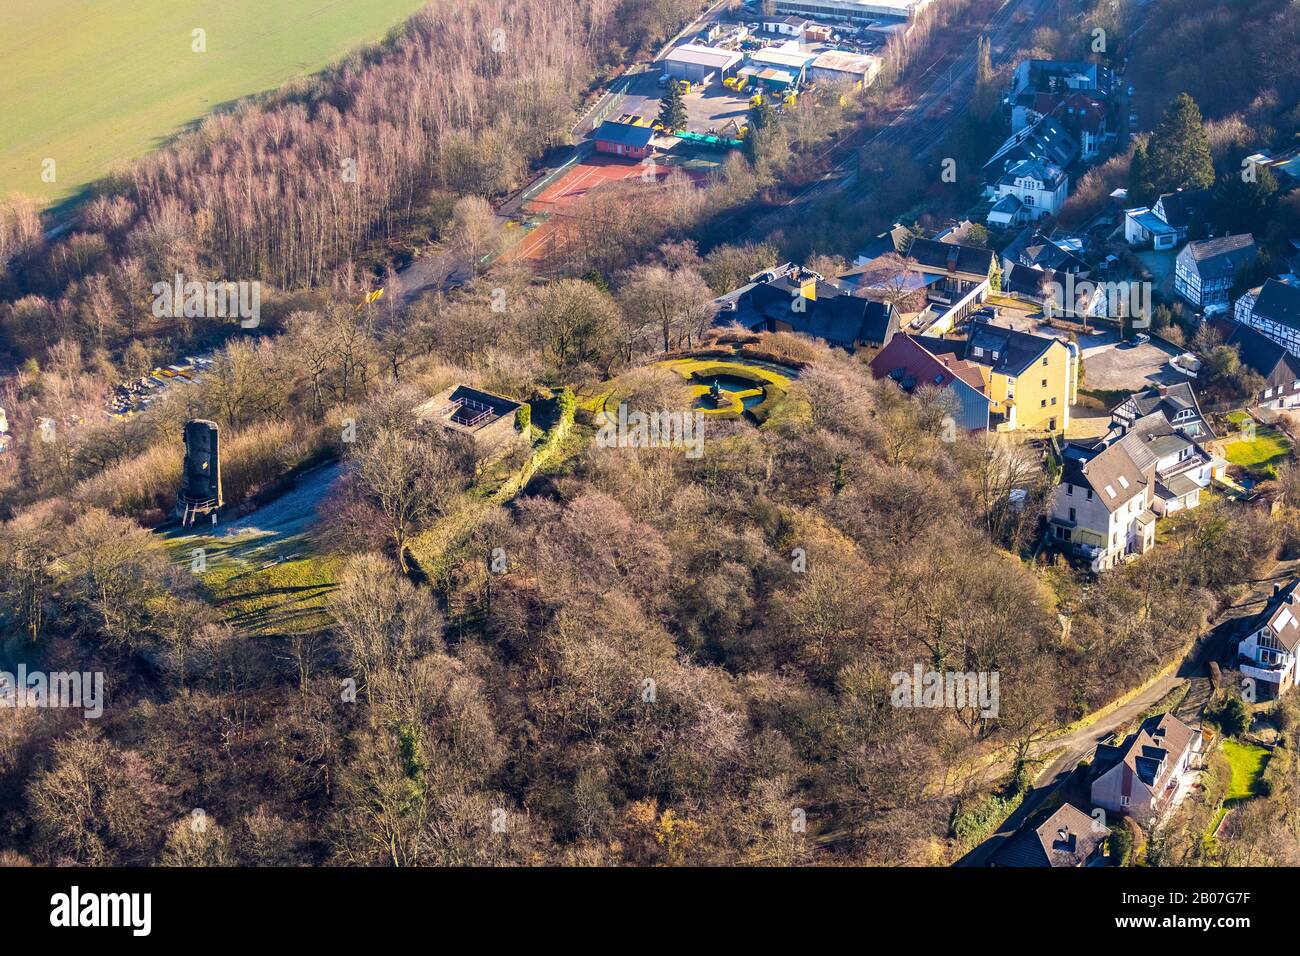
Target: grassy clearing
x,y
262,570
1247,762
1270,448
92,84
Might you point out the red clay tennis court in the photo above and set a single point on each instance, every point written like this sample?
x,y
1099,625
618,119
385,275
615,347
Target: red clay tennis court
x,y
591,173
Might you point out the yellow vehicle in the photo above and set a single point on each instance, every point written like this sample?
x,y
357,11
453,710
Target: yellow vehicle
x,y
684,85
756,100
791,98
730,82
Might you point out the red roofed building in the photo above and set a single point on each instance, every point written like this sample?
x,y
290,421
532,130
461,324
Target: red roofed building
x,y
911,366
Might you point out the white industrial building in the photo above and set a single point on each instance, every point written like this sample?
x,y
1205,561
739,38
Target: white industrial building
x,y
699,64
859,10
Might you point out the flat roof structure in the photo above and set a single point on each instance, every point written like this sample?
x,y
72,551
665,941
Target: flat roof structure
x,y
782,58
466,409
697,54
856,64
853,9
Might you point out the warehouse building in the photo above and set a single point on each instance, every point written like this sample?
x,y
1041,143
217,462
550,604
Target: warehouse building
x,y
787,60
860,11
700,65
857,69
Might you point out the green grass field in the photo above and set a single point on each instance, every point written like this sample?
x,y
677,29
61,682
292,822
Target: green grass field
x,y
1247,762
95,83
1270,448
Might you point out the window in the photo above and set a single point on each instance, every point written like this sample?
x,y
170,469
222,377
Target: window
x,y
1123,800
1044,366
1268,392
1123,482
1089,494
977,350
1044,383
1053,399
1110,491
1072,515
1069,489
1043,403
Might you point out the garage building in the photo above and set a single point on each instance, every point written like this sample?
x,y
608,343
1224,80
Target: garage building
x,y
700,64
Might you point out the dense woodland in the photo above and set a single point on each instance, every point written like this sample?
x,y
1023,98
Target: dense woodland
x,y
443,713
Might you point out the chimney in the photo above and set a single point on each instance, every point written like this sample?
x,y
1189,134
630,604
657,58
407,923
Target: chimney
x,y
1162,390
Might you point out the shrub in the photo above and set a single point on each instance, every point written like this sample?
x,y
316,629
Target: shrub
x,y
524,417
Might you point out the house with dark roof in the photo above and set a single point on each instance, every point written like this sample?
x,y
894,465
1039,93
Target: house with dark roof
x,y
1077,94
912,366
1102,508
1184,210
961,277
1267,651
896,239
1058,76
1177,402
1067,838
1031,380
1274,310
1150,772
1041,250
1086,117
623,139
1278,367
1183,465
1028,191
1206,270
1172,220
1047,141
1029,283
793,299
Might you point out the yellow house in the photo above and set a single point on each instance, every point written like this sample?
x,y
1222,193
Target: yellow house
x,y
1030,380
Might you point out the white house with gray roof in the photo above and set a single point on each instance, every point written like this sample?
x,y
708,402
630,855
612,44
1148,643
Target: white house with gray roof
x,y
1147,774
1028,191
1267,653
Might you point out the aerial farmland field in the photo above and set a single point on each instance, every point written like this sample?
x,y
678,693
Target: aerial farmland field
x,y
93,83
